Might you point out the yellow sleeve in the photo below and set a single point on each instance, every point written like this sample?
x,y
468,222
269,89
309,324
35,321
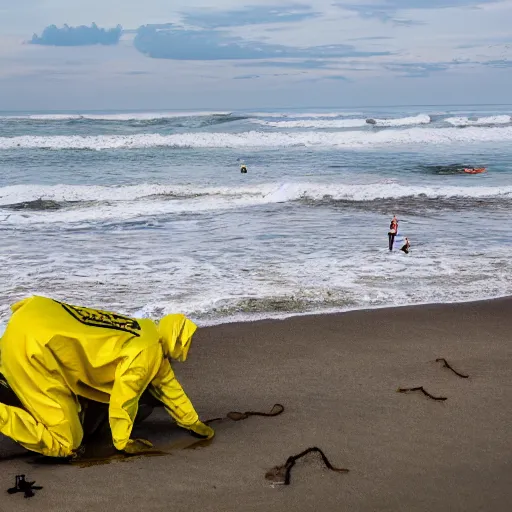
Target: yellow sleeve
x,y
168,390
23,428
131,380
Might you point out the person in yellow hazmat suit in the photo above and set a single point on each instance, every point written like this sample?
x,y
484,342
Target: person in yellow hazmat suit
x,y
53,353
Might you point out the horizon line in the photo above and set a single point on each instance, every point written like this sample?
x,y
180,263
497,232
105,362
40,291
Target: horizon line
x,y
259,108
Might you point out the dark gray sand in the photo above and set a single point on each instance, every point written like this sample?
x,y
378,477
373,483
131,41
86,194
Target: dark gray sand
x,y
337,376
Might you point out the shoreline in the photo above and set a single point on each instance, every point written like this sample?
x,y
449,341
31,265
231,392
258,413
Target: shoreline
x,y
287,316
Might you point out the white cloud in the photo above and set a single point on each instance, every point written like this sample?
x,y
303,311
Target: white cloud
x,y
429,53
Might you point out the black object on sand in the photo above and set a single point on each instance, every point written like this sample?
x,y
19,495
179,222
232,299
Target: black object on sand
x,y
282,474
423,390
23,486
447,365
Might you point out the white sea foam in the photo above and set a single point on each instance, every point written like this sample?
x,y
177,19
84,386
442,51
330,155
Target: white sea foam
x,y
370,192
117,248
133,116
144,201
220,289
404,121
45,117
15,194
480,121
345,123
314,123
303,115
256,139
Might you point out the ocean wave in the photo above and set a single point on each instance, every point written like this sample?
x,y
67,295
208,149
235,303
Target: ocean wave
x,y
47,196
383,190
182,120
77,203
152,116
421,204
304,115
313,123
479,121
346,123
130,116
256,139
401,121
39,205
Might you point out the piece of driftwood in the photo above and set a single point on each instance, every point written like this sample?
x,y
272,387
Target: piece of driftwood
x,y
447,365
282,474
422,389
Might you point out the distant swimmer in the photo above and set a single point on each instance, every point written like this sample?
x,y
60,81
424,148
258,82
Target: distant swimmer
x,y
393,230
243,169
406,246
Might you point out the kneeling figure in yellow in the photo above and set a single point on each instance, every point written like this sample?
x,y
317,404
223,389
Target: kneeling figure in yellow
x,y
52,353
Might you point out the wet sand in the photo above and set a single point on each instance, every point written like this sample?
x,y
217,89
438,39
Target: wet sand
x,y
337,376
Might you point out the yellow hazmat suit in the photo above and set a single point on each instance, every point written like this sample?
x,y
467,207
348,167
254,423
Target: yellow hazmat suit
x,y
51,353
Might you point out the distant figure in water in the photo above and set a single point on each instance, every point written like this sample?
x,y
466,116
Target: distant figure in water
x,y
393,230
406,246
243,169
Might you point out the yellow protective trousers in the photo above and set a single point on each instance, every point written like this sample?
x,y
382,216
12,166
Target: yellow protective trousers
x,y
52,353
53,426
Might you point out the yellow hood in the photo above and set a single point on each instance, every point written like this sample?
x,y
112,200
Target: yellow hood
x,y
176,335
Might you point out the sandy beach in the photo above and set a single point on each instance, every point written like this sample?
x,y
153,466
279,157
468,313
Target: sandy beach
x,y
337,376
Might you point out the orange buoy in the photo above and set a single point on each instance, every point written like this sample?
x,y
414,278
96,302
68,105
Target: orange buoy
x,y
477,170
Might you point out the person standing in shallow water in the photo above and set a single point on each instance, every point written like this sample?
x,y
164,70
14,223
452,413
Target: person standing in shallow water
x,y
393,230
406,246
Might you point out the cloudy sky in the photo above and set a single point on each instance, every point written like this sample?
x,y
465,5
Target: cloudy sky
x,y
269,53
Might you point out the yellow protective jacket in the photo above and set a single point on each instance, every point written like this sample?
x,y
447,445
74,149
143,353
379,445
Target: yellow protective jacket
x,y
52,352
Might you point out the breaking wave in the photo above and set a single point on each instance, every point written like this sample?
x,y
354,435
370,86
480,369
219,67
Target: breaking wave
x,y
133,116
39,205
346,123
255,139
401,121
68,203
303,115
48,196
165,120
479,121
313,123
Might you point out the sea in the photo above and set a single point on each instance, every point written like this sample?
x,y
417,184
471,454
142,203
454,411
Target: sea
x,y
147,213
